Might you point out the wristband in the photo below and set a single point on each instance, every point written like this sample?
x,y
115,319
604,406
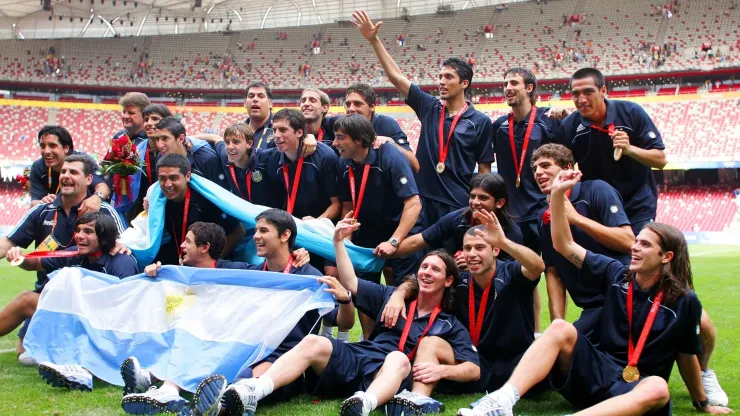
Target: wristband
x,y
348,301
700,405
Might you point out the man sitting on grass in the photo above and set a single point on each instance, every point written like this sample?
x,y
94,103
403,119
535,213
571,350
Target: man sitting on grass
x,y
375,368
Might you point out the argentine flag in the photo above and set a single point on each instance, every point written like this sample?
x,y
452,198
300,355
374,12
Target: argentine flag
x,y
147,231
184,325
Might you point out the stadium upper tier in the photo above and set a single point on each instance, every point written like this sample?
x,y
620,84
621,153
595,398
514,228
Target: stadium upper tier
x,y
619,37
694,129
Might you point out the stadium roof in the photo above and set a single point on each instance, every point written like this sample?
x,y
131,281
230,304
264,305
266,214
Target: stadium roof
x,y
69,18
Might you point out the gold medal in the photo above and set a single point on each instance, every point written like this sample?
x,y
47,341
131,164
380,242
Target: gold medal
x,y
518,181
617,154
180,261
352,221
630,374
440,167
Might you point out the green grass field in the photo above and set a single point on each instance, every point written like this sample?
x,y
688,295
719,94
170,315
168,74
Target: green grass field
x,y
22,392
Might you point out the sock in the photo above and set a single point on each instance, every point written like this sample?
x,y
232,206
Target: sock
x,y
370,399
264,386
170,389
343,336
510,392
327,331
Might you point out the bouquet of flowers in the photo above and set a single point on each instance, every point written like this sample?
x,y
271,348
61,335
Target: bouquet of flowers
x,y
24,180
121,161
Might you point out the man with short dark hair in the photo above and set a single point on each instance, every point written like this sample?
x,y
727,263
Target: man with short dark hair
x,y
185,207
55,144
50,227
378,186
454,136
360,99
615,141
258,102
275,238
171,138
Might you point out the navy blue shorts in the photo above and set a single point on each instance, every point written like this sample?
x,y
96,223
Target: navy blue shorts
x,y
588,320
432,210
593,377
351,368
638,226
531,235
24,329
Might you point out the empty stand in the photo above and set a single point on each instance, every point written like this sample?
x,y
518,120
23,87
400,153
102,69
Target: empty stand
x,y
697,208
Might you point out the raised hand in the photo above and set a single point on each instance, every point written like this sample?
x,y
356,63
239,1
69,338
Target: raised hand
x,y
566,179
368,30
494,234
301,257
345,227
335,288
309,145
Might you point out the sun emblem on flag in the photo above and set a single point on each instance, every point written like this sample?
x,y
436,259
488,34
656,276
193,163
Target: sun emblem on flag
x,y
176,302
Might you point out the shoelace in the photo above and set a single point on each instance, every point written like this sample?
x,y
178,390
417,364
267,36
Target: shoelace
x,y
488,403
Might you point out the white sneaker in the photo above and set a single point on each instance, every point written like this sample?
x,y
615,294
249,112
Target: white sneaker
x,y
240,398
207,398
135,378
356,405
25,359
73,377
152,402
410,403
714,392
493,404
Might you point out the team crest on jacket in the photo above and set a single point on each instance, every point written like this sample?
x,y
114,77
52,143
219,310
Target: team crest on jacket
x,y
256,176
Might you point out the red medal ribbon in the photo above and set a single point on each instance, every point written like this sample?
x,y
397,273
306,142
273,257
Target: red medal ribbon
x,y
477,323
357,202
633,355
56,254
407,328
320,138
519,162
185,211
444,148
247,179
609,129
148,164
297,179
287,266
546,215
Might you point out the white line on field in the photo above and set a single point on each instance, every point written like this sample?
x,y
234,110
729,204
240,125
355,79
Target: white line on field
x,y
704,253
7,350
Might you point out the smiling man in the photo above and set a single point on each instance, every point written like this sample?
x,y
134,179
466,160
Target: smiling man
x,y
454,135
258,102
132,115
604,374
55,144
50,227
171,138
601,130
185,207
360,99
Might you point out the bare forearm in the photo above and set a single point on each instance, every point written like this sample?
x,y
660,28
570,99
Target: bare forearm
x,y
333,211
410,245
688,366
562,239
346,317
210,138
395,76
619,239
462,372
484,167
654,158
411,211
408,289
31,265
532,264
347,276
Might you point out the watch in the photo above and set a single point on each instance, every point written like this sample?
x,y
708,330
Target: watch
x,y
349,299
100,195
394,242
699,405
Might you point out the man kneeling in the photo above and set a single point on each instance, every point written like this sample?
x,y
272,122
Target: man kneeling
x,y
376,368
650,319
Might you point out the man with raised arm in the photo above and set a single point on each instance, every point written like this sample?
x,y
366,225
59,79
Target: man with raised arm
x,y
494,302
377,368
650,320
454,136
